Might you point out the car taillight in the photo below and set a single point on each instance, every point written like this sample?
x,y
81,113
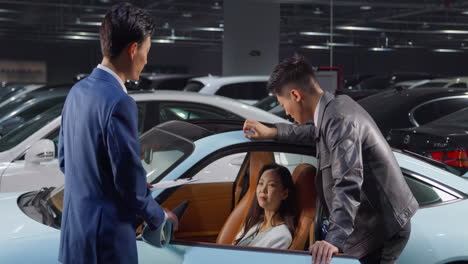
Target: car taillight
x,y
457,158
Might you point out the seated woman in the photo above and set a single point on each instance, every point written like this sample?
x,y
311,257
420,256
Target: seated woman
x,y
271,220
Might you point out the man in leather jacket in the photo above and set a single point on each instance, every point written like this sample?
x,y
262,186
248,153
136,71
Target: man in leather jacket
x,y
368,203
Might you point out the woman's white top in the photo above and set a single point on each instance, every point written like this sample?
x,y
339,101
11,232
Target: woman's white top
x,y
274,237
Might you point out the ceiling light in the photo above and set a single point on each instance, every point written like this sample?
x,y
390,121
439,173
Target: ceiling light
x,y
317,11
105,1
314,47
207,29
221,25
451,31
366,7
446,50
358,28
168,41
425,25
80,37
308,33
187,14
216,5
335,44
381,49
464,13
8,11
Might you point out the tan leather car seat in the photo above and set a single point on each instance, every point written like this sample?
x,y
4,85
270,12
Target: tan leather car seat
x,y
306,196
235,221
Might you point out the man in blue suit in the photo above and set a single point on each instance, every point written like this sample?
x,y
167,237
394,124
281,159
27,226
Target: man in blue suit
x,y
99,150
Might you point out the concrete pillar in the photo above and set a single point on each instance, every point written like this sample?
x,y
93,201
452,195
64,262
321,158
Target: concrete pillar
x,y
251,37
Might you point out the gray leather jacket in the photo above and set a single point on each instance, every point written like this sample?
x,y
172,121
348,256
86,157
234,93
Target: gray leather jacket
x,y
359,179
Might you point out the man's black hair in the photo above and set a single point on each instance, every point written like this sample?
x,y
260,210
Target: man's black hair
x,y
122,25
293,70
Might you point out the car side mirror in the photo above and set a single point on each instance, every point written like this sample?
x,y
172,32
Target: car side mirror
x,y
41,151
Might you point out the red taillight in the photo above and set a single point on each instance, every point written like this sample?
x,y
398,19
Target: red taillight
x,y
457,158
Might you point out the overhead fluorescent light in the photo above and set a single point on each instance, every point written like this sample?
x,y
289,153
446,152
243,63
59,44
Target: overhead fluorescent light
x,y
74,37
366,7
98,24
359,28
446,50
335,44
317,11
464,13
381,49
2,10
82,33
314,47
7,19
309,33
168,41
450,31
208,29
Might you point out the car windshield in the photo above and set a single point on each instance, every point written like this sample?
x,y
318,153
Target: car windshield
x,y
432,85
268,103
193,86
161,151
6,109
22,132
457,119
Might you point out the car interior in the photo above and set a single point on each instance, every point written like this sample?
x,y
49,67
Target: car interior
x,y
217,210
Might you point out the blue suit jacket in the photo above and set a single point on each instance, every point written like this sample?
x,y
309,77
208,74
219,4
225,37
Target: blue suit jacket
x,y
105,183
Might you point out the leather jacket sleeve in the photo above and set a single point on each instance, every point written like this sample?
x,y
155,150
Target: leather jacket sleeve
x,y
345,159
295,133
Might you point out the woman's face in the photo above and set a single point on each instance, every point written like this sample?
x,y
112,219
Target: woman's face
x,y
270,191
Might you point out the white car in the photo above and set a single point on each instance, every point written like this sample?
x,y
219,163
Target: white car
x,y
27,154
457,82
248,89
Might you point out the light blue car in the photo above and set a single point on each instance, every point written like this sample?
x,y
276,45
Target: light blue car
x,y
193,162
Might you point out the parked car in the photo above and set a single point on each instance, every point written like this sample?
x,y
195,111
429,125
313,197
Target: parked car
x,y
13,92
29,105
380,83
19,170
248,89
154,81
455,82
352,80
409,84
392,109
444,140
33,222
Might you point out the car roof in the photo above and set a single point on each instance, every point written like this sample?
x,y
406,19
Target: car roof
x,y
451,80
231,105
222,80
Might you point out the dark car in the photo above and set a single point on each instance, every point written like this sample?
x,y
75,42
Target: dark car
x,y
379,83
393,109
155,81
444,140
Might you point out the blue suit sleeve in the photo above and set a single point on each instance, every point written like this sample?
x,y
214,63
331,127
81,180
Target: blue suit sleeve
x,y
124,152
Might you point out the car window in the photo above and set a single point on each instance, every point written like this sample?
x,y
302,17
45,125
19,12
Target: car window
x,y
432,85
171,84
244,91
224,169
427,194
40,107
459,85
193,86
456,119
436,109
25,130
189,111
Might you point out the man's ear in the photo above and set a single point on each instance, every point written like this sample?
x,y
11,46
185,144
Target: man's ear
x,y
132,49
296,95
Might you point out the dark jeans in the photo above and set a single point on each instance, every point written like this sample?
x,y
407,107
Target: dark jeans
x,y
391,249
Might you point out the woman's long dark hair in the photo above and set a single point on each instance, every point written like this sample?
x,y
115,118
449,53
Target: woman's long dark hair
x,y
287,210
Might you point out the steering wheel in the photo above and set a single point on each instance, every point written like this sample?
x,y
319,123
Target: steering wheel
x,y
179,211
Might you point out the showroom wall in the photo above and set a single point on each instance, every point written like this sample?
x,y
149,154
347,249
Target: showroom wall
x,y
84,55
66,59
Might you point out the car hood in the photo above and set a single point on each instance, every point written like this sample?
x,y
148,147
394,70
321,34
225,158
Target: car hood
x,y
15,224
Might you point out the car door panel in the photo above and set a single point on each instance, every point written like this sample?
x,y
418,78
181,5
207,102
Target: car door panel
x,y
188,253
